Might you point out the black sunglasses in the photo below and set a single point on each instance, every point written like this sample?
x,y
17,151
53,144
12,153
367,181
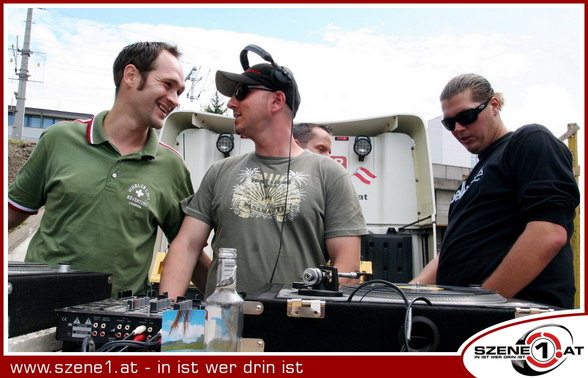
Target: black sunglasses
x,y
465,117
243,90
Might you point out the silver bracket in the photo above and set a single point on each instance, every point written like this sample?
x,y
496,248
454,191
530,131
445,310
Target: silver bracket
x,y
251,345
298,308
247,344
530,311
252,308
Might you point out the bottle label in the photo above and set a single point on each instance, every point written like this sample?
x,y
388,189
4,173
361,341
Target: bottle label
x,y
213,312
227,272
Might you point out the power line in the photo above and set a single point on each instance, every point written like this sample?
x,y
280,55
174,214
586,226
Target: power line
x,y
195,79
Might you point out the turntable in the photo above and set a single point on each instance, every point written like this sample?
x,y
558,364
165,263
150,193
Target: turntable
x,y
436,294
370,317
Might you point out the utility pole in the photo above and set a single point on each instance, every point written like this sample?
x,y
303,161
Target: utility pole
x,y
23,76
571,136
193,77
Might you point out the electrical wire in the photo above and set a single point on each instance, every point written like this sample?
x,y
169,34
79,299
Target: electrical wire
x,y
112,345
139,337
378,281
390,285
407,325
126,342
88,344
155,338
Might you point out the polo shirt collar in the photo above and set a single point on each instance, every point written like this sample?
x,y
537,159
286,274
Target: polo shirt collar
x,y
95,135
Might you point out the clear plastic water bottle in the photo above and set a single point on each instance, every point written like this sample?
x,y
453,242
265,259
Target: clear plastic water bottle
x,y
224,307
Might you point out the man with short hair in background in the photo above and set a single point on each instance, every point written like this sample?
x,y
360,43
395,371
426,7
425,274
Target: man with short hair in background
x,y
314,137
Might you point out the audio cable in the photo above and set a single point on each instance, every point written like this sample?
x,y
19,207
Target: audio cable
x,y
407,326
126,343
408,323
292,104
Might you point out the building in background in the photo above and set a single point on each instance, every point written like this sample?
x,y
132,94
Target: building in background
x,y
37,120
445,149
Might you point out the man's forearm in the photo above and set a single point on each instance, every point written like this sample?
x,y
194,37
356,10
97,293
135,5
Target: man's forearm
x,y
345,254
531,253
200,273
429,273
15,218
178,266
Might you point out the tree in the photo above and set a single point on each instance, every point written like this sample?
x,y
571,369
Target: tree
x,y
216,105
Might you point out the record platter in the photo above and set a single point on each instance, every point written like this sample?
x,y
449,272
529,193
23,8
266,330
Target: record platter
x,y
447,295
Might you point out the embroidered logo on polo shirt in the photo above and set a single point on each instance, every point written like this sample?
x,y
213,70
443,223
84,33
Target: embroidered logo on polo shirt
x,y
139,196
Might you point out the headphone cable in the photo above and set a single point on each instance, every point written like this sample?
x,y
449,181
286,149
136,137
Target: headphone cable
x,y
294,90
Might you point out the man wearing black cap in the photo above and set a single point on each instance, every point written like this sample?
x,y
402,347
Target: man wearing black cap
x,y
283,208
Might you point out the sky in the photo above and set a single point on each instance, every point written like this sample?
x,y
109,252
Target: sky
x,y
189,332
350,61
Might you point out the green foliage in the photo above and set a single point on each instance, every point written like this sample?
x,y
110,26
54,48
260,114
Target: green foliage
x,y
216,106
181,345
20,142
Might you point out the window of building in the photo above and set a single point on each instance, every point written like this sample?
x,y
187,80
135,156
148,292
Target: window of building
x,y
48,121
33,121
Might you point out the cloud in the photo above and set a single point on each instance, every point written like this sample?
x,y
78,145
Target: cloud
x,y
348,73
533,98
189,334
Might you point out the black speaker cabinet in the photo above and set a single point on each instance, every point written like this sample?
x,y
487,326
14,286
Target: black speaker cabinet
x,y
36,291
390,254
363,326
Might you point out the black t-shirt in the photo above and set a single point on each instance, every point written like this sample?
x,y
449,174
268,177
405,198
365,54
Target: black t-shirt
x,y
524,176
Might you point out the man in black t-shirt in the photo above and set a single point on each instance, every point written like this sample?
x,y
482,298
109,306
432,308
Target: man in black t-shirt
x,y
511,220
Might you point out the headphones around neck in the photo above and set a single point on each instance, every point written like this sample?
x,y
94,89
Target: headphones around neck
x,y
280,75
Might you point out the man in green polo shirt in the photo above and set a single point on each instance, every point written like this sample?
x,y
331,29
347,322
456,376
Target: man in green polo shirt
x,y
107,184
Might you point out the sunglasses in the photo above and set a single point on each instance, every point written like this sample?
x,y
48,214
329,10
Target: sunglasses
x,y
465,117
243,90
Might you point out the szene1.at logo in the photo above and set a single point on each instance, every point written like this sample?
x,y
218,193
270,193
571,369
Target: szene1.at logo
x,y
537,352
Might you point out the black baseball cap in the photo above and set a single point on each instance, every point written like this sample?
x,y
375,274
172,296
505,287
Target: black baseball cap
x,y
259,74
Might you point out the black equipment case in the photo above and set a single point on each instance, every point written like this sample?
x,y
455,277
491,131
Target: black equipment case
x,y
35,291
298,325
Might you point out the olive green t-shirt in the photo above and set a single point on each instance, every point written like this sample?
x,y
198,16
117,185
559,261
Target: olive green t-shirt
x,y
244,198
102,210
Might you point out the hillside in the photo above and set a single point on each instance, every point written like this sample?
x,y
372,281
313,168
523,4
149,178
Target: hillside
x,y
18,153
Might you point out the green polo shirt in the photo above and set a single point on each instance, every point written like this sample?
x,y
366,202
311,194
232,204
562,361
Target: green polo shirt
x,y
102,210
